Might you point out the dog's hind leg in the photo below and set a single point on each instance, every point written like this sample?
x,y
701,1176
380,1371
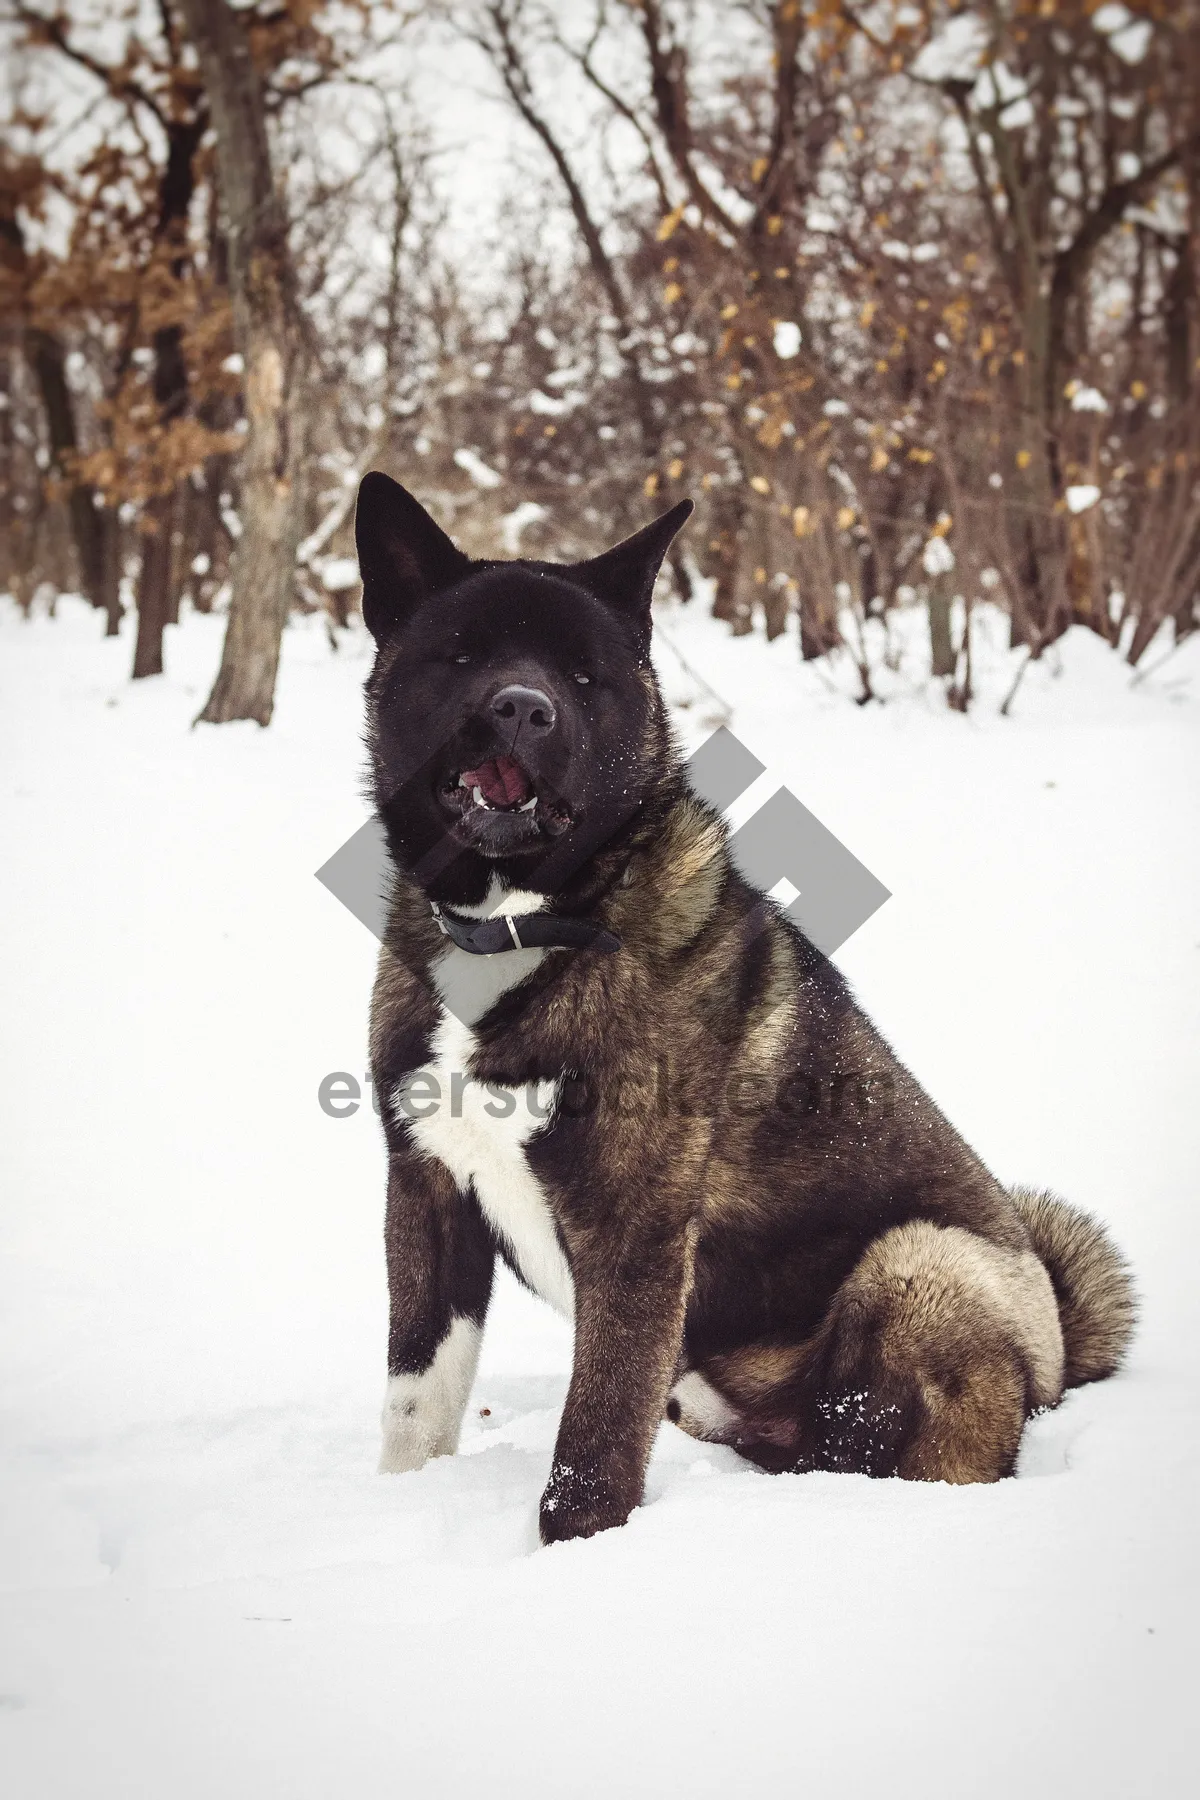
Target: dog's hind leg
x,y
440,1262
933,1353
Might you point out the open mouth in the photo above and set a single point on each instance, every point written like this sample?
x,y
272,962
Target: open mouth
x,y
500,785
500,789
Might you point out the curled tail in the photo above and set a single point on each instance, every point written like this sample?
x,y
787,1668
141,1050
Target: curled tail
x,y
1091,1281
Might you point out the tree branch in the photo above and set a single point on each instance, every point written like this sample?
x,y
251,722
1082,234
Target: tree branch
x,y
668,87
53,31
504,54
619,106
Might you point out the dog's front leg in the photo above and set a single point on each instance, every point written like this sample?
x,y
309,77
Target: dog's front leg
x,y
628,1330
439,1261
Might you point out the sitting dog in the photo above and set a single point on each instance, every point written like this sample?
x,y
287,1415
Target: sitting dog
x,y
603,1056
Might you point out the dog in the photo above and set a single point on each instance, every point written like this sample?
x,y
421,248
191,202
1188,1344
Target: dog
x,y
603,1057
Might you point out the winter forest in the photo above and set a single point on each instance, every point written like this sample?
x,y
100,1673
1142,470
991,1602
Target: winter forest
x,y
904,295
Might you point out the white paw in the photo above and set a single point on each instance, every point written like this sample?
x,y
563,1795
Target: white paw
x,y
422,1414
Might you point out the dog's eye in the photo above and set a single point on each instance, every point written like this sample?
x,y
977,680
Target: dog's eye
x,y
582,679
461,659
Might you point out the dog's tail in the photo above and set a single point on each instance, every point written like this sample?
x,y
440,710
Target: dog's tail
x,y
1097,1307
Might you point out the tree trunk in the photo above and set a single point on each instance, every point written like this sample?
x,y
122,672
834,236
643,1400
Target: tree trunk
x,y
818,624
941,645
154,586
158,604
717,551
681,575
725,590
270,333
752,570
88,522
90,525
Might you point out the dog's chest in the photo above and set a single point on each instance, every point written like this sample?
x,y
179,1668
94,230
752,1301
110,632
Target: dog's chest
x,y
480,1131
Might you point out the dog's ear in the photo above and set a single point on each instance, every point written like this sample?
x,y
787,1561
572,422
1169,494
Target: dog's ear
x,y
624,576
403,556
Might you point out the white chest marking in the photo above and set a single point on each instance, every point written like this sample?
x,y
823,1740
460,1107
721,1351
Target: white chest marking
x,y
479,1131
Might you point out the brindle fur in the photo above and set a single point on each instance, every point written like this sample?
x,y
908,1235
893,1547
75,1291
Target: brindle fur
x,y
747,1182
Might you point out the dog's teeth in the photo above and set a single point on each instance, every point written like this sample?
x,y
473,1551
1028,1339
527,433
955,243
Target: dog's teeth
x,y
462,782
477,797
529,805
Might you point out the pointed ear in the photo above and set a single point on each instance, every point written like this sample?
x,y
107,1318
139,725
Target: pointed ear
x,y
403,556
623,577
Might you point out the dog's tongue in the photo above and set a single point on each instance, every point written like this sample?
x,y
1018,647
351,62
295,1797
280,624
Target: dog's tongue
x,y
502,782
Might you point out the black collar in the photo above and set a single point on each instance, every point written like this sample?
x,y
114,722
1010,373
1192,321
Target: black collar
x,y
526,931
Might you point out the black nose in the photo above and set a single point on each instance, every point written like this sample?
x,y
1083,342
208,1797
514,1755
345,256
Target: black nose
x,y
527,709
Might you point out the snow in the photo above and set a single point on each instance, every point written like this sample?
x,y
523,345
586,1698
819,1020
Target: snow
x,y
1080,498
209,1589
998,86
1132,44
786,338
548,405
339,573
481,474
514,524
955,52
1017,116
1129,37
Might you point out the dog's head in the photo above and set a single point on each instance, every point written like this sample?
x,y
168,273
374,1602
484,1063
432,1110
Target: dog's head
x,y
513,714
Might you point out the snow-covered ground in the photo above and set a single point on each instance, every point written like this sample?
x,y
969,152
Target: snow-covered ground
x,y
210,1591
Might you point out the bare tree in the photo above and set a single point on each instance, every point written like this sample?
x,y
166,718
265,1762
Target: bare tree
x,y
93,528
272,339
